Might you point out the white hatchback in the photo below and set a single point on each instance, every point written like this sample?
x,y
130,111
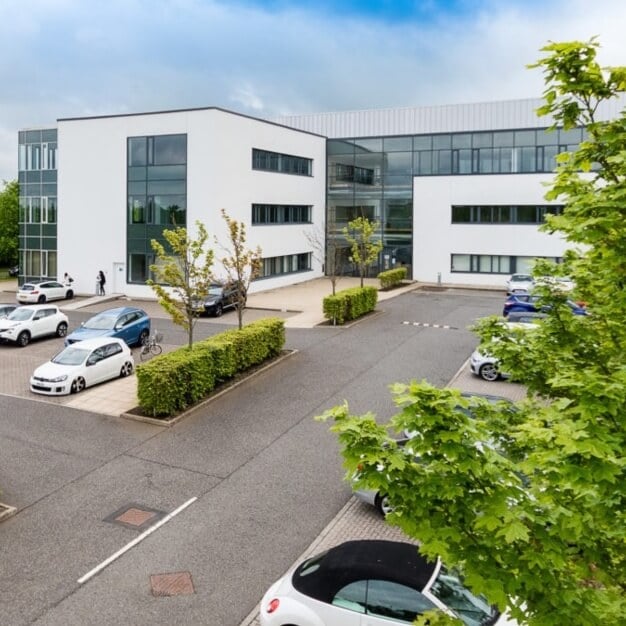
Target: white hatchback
x,y
31,322
44,291
83,364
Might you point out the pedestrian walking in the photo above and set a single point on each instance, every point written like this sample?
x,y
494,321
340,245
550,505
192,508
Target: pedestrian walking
x,y
67,280
100,282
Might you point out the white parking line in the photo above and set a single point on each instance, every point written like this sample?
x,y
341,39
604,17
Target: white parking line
x,y
428,325
134,542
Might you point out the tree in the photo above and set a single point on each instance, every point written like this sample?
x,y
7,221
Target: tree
x,y
528,501
242,265
363,249
9,228
182,275
327,251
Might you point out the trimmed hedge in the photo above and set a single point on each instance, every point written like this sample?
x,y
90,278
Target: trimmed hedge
x,y
392,278
350,303
170,383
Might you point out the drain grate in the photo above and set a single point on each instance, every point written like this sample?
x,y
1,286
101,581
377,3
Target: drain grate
x,y
174,584
135,516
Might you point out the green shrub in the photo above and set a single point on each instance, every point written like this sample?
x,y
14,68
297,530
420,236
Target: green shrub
x,y
350,303
174,381
392,278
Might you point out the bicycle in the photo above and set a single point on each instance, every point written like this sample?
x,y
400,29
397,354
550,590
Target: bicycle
x,y
151,346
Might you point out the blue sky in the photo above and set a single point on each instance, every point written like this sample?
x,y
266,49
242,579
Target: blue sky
x,y
64,58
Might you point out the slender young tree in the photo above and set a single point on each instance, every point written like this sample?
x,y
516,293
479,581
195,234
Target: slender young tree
x,y
182,275
364,249
327,250
242,265
528,501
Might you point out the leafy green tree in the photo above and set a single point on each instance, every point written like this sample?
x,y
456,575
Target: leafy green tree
x,y
529,501
242,265
9,229
364,250
182,275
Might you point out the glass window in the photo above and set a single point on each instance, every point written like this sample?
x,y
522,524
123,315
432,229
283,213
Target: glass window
x,y
422,142
524,137
503,139
398,163
461,214
339,146
571,136
138,268
441,142
463,140
485,161
166,187
460,263
425,164
547,137
352,596
137,209
369,145
167,172
527,159
397,144
444,161
168,150
395,601
137,154
526,215
137,173
482,140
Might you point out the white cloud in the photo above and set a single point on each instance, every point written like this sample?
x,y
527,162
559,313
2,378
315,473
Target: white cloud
x,y
74,58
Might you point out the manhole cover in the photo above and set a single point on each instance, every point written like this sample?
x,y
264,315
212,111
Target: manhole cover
x,y
135,516
174,584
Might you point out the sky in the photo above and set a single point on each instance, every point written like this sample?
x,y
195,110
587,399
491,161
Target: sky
x,y
71,58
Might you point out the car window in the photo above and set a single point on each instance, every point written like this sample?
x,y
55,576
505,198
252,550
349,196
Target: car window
x,y
111,349
352,596
472,609
395,601
48,312
27,287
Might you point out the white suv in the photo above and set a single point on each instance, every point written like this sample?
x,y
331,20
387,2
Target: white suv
x,y
30,322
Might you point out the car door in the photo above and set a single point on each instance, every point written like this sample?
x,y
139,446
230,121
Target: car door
x,y
133,325
123,328
112,360
43,322
54,290
101,364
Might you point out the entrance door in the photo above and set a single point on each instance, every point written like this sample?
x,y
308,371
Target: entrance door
x,y
119,278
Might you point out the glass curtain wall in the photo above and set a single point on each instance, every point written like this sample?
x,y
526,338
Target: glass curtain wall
x,y
37,178
373,177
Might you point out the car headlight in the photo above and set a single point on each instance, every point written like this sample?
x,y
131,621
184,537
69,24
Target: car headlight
x,y
59,379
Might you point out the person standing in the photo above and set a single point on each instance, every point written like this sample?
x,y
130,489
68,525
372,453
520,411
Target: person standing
x,y
100,282
67,279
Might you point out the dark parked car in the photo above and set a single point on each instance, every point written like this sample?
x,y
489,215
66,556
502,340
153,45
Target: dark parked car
x,y
126,322
14,271
530,304
219,298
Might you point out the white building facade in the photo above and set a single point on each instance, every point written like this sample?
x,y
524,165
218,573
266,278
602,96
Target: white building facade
x,y
457,191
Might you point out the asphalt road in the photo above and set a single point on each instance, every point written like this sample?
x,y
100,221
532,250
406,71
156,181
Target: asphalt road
x,y
266,476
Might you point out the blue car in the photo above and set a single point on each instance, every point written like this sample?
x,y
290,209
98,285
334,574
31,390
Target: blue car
x,y
529,304
126,322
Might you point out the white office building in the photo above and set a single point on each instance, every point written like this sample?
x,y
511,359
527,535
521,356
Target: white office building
x,y
457,191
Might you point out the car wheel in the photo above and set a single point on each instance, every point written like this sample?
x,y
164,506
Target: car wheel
x,y
219,309
383,505
41,299
69,295
143,337
127,369
23,338
489,372
62,329
78,385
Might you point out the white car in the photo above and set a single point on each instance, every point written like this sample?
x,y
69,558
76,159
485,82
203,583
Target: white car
x,y
31,322
373,583
83,364
519,283
44,291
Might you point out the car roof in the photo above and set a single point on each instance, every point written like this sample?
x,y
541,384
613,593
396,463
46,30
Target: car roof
x,y
121,310
394,561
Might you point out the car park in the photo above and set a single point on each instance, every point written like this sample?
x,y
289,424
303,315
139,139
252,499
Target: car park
x,y
519,283
44,292
128,323
33,322
220,297
82,365
371,582
530,303
5,309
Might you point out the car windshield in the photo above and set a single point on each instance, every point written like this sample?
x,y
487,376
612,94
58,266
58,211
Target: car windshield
x,y
473,610
101,322
20,315
72,355
520,278
215,291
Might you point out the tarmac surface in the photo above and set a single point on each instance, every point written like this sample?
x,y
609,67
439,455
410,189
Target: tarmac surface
x,y
300,306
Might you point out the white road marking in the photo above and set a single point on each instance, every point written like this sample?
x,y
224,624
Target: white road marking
x,y
134,542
